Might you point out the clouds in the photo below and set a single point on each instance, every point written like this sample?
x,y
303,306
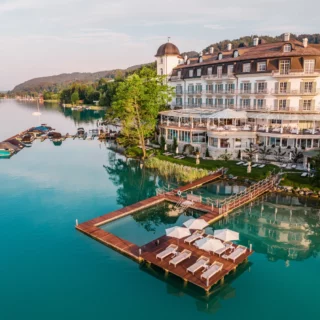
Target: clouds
x,y
41,37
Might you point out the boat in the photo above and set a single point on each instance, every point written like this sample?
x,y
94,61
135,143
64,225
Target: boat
x,y
27,138
5,153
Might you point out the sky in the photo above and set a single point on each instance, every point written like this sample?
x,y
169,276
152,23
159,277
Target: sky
x,y
48,37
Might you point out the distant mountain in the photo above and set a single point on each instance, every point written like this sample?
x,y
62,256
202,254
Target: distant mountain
x,y
58,82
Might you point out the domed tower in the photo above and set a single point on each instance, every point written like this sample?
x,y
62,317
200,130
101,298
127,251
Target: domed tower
x,y
168,57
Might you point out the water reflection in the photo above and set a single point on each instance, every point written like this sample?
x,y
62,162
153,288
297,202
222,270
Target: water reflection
x,y
281,227
206,303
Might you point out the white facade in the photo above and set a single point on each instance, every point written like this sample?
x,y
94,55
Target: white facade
x,y
282,106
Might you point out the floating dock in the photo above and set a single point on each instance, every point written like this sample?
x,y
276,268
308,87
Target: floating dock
x,y
212,213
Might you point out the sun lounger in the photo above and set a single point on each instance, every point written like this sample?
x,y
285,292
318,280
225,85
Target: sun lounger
x,y
283,165
226,247
254,165
195,236
212,270
293,166
234,178
177,157
304,174
262,166
202,262
183,255
246,164
170,250
240,250
239,163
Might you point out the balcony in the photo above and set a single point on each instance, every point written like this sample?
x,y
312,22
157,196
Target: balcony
x,y
295,73
311,92
245,91
213,77
175,78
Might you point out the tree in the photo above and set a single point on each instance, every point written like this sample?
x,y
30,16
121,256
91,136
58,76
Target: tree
x,y
162,142
225,156
265,152
175,144
137,102
315,162
278,154
75,97
296,155
250,152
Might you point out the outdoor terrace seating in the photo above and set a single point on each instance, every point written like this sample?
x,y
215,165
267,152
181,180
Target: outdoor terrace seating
x,y
201,263
181,256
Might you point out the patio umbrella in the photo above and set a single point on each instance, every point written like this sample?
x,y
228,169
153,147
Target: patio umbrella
x,y
226,235
209,244
197,224
177,232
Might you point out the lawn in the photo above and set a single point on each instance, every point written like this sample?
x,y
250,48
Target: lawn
x,y
239,171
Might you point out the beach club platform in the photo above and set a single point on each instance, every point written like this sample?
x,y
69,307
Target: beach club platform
x,y
149,254
211,213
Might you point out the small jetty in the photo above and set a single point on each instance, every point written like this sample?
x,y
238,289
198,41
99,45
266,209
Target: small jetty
x,y
211,212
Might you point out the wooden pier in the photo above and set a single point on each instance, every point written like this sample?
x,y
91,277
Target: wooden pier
x,y
211,214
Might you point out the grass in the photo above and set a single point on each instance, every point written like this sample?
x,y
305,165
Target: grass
x,y
295,180
239,171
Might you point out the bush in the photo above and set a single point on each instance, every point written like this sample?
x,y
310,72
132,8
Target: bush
x,y
162,142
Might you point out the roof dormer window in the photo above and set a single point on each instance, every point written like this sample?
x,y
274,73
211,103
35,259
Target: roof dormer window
x,y
287,47
190,73
200,59
235,53
220,56
188,62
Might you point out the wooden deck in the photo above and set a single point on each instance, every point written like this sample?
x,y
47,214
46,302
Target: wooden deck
x,y
150,250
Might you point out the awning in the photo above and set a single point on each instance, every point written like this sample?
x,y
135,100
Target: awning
x,y
229,114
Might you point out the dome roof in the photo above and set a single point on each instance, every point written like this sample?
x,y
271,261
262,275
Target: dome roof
x,y
168,49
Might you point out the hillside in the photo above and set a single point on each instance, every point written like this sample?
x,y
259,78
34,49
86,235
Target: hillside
x,y
57,82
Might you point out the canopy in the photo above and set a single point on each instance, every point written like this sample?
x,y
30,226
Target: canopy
x,y
209,244
229,114
197,224
41,128
178,232
226,235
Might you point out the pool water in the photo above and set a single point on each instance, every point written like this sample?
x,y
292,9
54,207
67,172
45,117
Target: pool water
x,y
48,270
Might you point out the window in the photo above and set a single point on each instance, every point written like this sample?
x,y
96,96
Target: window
x,y
236,54
229,102
309,66
282,104
260,103
284,66
209,102
219,56
161,60
219,102
287,48
307,105
200,59
190,88
230,88
172,134
246,67
198,72
161,72
179,101
261,87
219,88
184,136
190,73
198,88
190,101
246,87
179,74
219,71
209,72
276,121
210,88
307,87
230,69
283,87
246,102
262,66
178,89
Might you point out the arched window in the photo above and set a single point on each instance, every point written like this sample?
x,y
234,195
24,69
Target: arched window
x,y
287,48
161,72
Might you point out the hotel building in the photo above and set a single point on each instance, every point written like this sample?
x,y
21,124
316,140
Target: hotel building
x,y
266,94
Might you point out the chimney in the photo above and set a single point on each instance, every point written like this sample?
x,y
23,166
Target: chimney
x,y
305,42
229,47
211,50
185,58
286,37
255,41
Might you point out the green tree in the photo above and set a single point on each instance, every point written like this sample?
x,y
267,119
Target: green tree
x,y
225,156
75,97
137,102
278,154
265,152
250,152
315,162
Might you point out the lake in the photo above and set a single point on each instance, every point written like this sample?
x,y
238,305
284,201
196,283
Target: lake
x,y
48,270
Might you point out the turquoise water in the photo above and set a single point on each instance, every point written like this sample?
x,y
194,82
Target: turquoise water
x,y
48,270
